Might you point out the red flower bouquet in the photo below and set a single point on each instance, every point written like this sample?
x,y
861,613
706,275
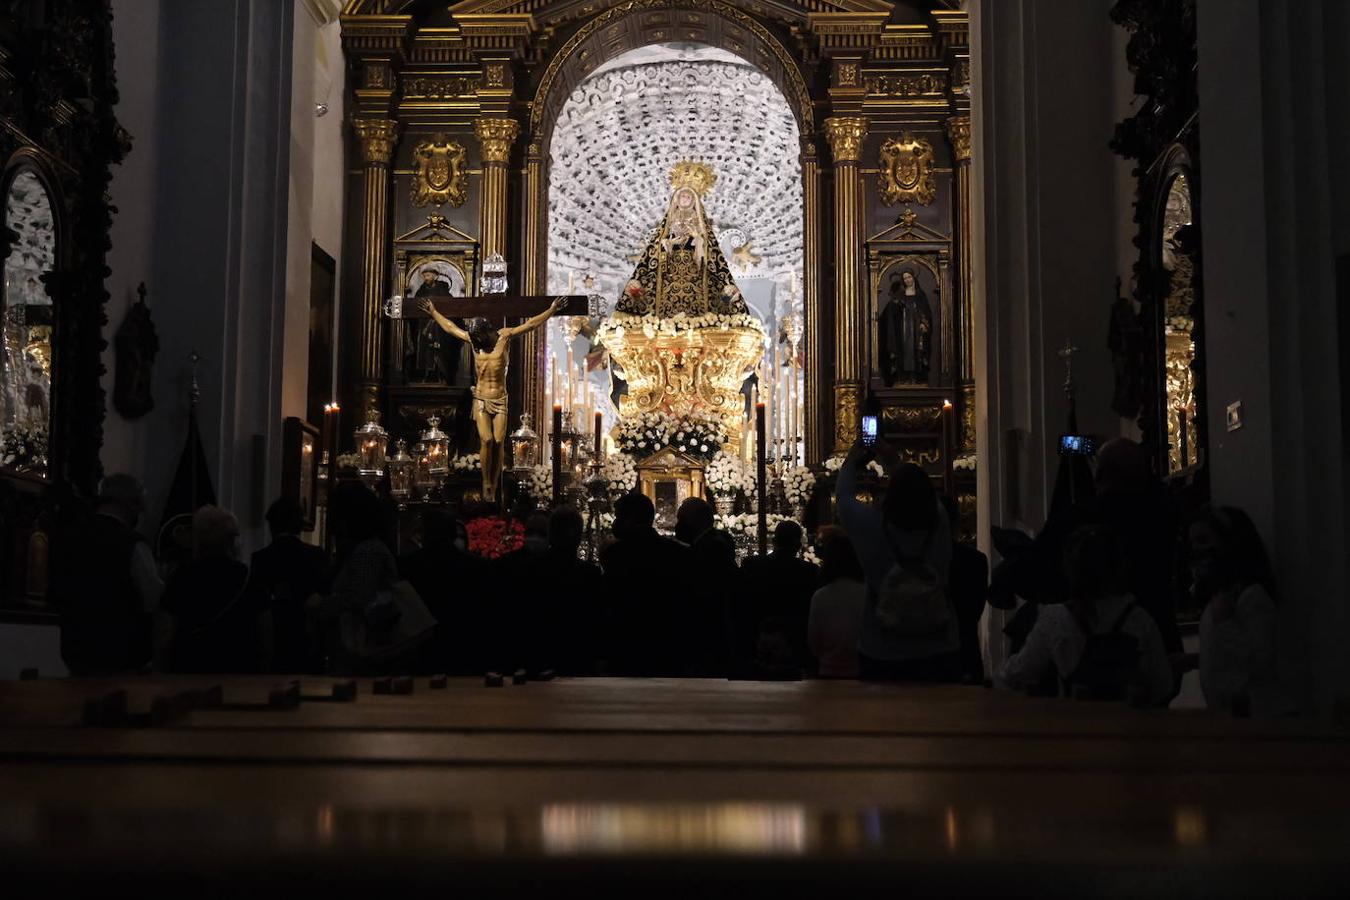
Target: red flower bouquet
x,y
494,536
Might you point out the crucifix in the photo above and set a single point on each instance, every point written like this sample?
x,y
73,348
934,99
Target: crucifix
x,y
489,342
1067,355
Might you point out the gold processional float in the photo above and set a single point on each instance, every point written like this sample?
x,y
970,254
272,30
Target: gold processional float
x,y
681,332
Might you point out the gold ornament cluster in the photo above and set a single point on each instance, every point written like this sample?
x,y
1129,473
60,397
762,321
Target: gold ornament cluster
x,y
438,176
907,171
958,131
496,136
698,176
845,134
377,138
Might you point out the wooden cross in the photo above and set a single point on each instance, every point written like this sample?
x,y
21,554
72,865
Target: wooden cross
x,y
1067,355
493,306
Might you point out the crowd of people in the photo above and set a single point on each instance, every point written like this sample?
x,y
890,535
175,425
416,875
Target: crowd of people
x,y
896,597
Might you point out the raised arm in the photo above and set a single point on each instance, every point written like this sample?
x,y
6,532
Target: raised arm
x,y
536,321
447,325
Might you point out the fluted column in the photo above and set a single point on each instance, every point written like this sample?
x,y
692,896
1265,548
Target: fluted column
x,y
496,137
814,363
845,134
535,346
958,132
377,137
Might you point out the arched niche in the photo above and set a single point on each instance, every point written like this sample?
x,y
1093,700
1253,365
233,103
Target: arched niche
x,y
28,317
1172,318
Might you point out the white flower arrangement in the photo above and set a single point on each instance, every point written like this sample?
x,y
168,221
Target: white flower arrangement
x,y
538,483
646,433
965,463
620,471
745,527
24,447
464,462
348,461
652,326
726,475
834,463
798,483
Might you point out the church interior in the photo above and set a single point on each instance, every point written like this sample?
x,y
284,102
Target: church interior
x,y
719,445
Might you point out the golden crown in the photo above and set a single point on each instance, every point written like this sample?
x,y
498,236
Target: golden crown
x,y
696,175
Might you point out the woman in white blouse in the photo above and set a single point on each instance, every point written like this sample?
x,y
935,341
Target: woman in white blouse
x,y
1098,605
1231,577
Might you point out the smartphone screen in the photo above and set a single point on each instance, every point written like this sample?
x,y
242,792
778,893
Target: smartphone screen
x,y
869,429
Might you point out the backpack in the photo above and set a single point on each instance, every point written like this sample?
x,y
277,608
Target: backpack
x,y
912,602
1109,664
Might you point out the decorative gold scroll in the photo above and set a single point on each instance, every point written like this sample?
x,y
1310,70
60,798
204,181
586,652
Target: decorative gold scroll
x,y
907,171
439,174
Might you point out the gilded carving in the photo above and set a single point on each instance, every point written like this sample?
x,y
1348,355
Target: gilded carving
x,y
377,138
845,134
432,88
848,74
439,173
968,418
847,414
958,131
913,418
497,136
496,75
907,171
925,84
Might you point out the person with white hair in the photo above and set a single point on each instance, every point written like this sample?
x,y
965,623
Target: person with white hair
x,y
216,621
108,600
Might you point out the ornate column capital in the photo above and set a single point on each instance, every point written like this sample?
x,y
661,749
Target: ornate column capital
x,y
496,136
377,138
848,399
958,132
845,134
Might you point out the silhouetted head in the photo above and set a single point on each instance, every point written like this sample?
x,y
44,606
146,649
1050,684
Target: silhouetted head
x,y
1226,551
536,531
123,496
1122,467
633,514
565,528
787,538
1093,563
356,515
284,517
838,559
440,527
215,533
694,517
482,334
910,503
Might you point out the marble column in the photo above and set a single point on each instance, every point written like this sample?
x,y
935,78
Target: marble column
x,y
845,134
377,137
958,132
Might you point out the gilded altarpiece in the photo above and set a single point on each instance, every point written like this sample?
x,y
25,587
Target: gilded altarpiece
x,y
492,76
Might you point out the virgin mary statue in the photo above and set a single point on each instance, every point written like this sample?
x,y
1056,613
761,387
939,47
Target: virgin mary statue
x,y
682,269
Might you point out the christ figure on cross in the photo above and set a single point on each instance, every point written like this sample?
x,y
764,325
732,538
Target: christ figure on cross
x,y
489,346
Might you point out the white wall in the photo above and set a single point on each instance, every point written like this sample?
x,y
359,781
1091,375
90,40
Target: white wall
x,y
231,179
202,205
